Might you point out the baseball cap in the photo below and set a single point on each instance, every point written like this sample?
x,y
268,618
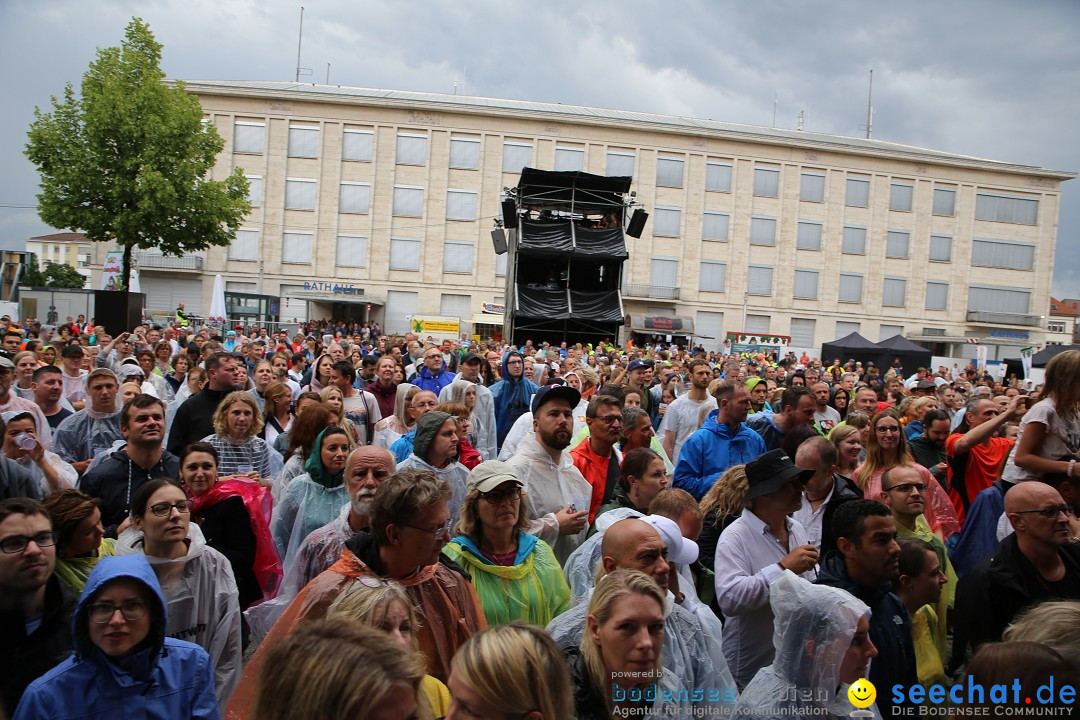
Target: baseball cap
x,y
471,357
489,475
926,385
635,364
5,362
772,471
679,549
553,392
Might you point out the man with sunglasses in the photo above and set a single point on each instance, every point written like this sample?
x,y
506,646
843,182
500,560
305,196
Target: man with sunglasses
x,y
35,609
1039,561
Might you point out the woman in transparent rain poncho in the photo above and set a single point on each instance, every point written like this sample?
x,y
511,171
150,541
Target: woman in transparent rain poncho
x,y
197,581
822,639
316,497
389,429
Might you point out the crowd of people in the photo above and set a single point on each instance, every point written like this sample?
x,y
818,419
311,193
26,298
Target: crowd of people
x,y
340,523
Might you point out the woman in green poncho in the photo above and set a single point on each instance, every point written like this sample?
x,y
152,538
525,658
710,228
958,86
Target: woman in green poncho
x,y
81,541
315,498
515,574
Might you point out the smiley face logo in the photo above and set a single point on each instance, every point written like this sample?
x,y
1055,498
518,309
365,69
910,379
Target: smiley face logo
x,y
862,693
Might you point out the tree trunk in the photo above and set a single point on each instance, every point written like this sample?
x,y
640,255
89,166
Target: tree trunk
x,y
126,269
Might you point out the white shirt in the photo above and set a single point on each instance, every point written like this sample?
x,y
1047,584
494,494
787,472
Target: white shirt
x,y
747,560
681,419
811,519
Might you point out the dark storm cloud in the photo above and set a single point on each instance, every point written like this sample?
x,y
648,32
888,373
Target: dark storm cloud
x,y
990,78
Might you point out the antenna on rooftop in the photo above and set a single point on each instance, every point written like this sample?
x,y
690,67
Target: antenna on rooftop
x,y
775,102
802,120
300,70
327,73
870,107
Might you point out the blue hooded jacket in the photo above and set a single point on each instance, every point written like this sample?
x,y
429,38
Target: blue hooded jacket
x,y
167,679
512,397
435,383
710,451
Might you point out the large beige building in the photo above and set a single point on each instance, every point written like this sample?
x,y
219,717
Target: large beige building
x,y
379,203
64,248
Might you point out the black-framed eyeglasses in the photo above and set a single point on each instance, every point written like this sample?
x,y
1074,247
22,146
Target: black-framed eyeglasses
x,y
164,509
609,419
1049,512
443,529
18,543
907,488
130,610
495,498
882,429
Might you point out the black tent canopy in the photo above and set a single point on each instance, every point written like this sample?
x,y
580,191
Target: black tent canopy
x,y
912,356
853,347
583,191
567,238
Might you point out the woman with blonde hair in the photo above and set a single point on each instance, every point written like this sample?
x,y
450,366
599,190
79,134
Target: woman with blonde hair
x,y
237,422
515,573
721,505
385,605
335,399
1053,623
1049,441
513,669
392,427
849,447
887,449
624,603
335,669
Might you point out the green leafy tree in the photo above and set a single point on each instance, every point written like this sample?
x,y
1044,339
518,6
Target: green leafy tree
x,y
61,275
129,160
55,275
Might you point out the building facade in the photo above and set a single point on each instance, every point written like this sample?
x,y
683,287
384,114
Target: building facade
x,y
65,248
379,204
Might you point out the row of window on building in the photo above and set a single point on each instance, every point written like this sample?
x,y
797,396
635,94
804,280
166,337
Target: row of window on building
x,y
462,205
297,247
712,277
465,154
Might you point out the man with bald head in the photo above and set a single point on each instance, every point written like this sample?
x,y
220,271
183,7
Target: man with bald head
x,y
648,544
365,470
1039,561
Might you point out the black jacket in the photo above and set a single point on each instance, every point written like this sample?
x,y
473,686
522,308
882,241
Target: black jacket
x,y
25,658
194,420
890,631
588,703
226,525
108,482
1011,580
844,490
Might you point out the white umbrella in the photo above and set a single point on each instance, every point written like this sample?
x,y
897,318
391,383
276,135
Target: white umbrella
x,y
217,302
133,284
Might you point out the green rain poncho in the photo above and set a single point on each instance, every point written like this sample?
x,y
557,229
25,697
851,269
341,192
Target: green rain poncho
x,y
532,589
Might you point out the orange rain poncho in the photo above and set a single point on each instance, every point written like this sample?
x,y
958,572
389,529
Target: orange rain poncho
x,y
447,602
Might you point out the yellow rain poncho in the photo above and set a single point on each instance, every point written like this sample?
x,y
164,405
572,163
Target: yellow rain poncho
x,y
532,589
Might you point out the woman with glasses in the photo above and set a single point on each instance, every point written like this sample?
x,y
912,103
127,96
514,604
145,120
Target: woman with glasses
x,y
887,449
124,663
197,581
515,574
234,516
80,538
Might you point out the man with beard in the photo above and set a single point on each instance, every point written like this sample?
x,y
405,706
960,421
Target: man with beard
x,y
928,448
558,496
866,563
194,420
681,419
365,470
759,396
825,416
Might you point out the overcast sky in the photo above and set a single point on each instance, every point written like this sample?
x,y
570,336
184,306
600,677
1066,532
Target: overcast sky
x,y
993,78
